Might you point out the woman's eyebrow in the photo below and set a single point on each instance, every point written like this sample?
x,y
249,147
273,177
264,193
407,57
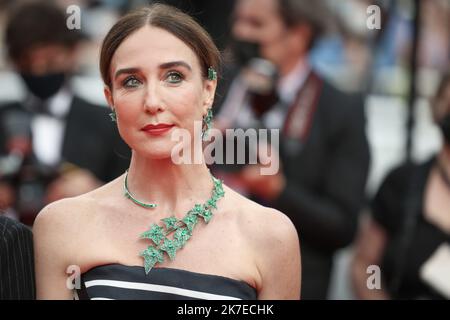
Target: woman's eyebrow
x,y
172,64
125,71
166,65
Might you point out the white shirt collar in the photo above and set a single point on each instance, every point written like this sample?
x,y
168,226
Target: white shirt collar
x,y
58,104
289,85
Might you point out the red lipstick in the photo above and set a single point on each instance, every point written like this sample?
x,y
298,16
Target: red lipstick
x,y
157,129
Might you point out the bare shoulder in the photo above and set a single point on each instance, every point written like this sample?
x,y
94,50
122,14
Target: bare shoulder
x,y
274,246
62,213
55,237
262,224
61,235
71,213
59,223
66,222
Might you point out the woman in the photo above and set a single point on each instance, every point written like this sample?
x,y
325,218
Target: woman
x,y
408,235
159,66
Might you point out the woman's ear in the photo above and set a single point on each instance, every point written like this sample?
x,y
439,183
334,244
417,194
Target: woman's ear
x,y
108,96
209,91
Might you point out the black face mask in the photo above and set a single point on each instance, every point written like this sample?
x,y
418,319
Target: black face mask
x,y
444,125
44,86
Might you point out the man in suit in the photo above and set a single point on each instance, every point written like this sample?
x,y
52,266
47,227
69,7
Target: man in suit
x,y
64,145
323,150
16,261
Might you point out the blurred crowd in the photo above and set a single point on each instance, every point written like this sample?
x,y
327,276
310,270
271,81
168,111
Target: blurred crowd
x,y
346,98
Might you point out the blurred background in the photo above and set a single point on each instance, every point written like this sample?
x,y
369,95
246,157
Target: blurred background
x,y
397,70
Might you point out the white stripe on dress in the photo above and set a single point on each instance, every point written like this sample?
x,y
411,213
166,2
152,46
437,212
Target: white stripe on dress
x,y
158,288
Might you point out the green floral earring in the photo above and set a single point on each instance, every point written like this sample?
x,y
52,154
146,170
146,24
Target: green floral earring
x,y
207,123
113,116
207,119
212,74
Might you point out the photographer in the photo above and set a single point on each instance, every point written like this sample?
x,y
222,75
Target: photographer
x,y
323,152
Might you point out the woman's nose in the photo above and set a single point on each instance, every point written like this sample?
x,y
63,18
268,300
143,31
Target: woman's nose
x,y
153,102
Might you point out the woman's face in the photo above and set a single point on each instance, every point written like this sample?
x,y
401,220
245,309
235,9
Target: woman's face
x,y
156,87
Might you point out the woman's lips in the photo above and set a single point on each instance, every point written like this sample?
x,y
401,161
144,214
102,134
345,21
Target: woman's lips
x,y
157,129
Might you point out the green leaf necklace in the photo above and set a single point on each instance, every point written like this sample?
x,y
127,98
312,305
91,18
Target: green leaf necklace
x,y
182,229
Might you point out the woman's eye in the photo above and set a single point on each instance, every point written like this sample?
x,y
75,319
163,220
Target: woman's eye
x,y
131,82
174,77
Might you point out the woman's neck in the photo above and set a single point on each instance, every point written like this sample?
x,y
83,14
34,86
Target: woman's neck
x,y
172,187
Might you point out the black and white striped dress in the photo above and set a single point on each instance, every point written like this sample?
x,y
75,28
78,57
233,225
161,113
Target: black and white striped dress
x,y
120,282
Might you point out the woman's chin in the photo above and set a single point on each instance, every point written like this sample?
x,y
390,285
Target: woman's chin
x,y
158,155
155,152
159,148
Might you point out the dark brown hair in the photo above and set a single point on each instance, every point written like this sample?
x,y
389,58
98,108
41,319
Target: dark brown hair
x,y
314,13
36,23
167,18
